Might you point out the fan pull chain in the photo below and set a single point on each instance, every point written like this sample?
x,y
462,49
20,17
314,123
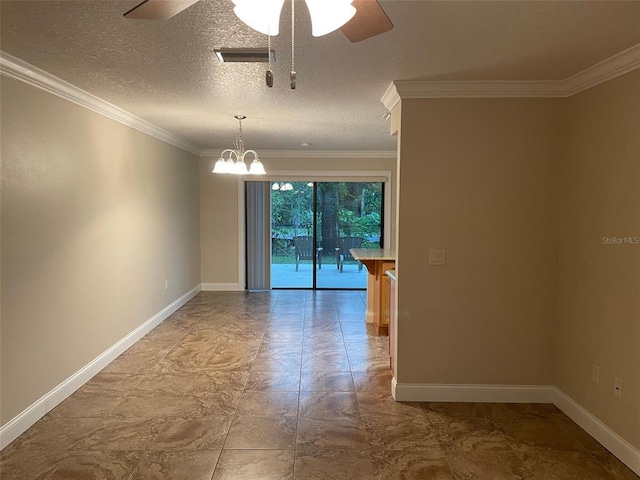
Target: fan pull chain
x,y
292,76
269,75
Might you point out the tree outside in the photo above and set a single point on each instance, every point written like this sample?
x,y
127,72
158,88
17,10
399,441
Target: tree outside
x,y
344,209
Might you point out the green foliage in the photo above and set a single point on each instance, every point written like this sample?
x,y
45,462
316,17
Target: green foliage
x,y
359,210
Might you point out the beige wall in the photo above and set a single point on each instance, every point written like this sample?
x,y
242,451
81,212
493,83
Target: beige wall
x,y
219,207
95,217
599,285
480,179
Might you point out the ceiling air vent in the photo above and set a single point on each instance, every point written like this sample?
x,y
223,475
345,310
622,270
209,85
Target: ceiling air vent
x,y
244,54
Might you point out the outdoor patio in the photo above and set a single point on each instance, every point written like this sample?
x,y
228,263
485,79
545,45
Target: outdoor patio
x,y
285,276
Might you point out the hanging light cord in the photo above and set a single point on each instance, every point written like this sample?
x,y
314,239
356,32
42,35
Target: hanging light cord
x,y
293,44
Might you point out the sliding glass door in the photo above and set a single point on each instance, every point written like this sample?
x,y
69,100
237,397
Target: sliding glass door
x,y
313,227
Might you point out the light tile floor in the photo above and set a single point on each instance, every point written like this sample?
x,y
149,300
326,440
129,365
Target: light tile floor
x,y
286,385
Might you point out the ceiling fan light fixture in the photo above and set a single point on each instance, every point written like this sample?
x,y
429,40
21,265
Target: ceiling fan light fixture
x,y
261,15
329,15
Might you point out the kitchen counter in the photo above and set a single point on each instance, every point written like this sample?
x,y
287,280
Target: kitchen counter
x,y
377,261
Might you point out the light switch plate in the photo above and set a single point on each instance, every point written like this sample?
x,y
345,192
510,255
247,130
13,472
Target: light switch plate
x,y
436,257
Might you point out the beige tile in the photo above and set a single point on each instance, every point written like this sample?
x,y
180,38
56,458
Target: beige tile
x,y
515,411
87,405
222,343
486,466
207,383
582,437
268,404
177,465
254,465
395,432
277,363
546,464
325,360
274,433
361,362
333,465
544,433
148,346
376,380
614,467
473,434
399,465
133,363
57,433
205,433
383,403
326,382
336,433
171,383
268,350
210,404
97,466
328,404
268,381
444,413
123,434
146,404
22,464
227,362
117,384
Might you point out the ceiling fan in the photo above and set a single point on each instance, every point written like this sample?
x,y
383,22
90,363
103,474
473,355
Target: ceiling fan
x,y
369,20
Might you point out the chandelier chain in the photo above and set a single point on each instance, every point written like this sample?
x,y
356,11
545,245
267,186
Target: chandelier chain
x,y
293,35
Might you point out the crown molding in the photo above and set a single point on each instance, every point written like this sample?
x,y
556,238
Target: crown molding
x,y
391,97
15,68
608,69
357,154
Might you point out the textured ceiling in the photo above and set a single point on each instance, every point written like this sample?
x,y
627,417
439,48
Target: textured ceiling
x,y
166,72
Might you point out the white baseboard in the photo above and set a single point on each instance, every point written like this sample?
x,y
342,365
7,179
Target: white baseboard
x,y
429,392
20,423
626,453
221,287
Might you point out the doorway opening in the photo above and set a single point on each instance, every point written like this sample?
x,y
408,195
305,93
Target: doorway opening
x,y
313,227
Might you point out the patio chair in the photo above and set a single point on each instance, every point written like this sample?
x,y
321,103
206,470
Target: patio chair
x,y
342,251
304,250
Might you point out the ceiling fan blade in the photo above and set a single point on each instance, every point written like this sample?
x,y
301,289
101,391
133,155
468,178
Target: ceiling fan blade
x,y
158,9
370,20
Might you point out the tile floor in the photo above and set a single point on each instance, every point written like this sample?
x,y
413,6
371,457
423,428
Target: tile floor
x,y
286,385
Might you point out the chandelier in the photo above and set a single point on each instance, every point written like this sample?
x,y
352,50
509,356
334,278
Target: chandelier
x,y
234,160
264,15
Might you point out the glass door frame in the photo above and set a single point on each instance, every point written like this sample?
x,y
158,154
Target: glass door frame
x,y
314,232
384,176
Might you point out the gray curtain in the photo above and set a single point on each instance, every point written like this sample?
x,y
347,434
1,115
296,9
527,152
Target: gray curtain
x,y
258,207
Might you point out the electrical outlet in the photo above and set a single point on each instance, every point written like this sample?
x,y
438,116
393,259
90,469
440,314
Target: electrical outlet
x,y
617,388
166,284
595,374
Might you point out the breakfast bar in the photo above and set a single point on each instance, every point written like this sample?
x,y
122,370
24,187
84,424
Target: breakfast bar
x,y
377,261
